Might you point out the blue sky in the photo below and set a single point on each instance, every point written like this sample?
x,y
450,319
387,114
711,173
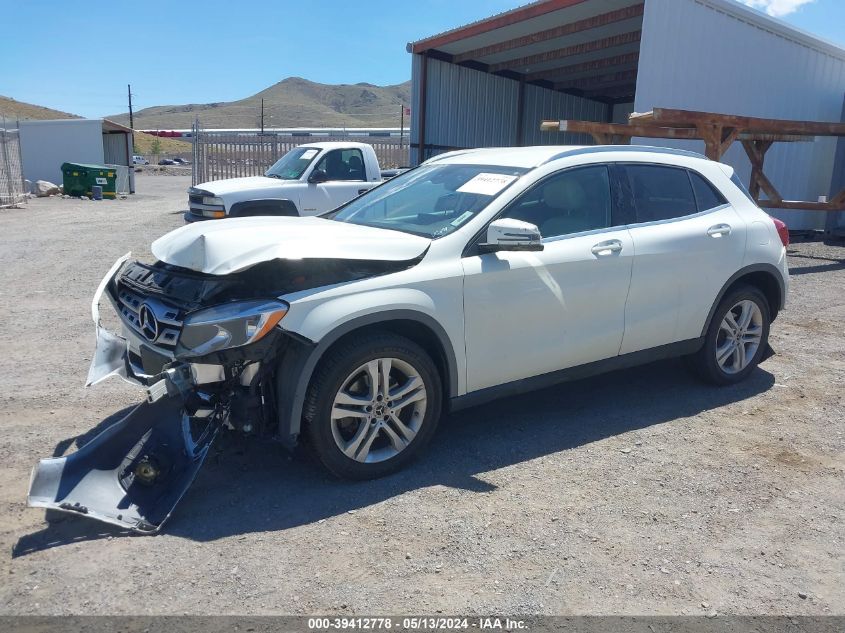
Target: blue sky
x,y
56,55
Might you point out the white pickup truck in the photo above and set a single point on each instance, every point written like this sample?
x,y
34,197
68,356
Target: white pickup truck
x,y
308,180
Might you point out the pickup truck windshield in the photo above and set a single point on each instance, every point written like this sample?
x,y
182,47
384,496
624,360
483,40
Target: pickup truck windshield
x,y
293,164
432,200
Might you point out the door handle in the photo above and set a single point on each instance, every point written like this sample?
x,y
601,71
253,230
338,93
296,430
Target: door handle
x,y
719,230
360,191
602,249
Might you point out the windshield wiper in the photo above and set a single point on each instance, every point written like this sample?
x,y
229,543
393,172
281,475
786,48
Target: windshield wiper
x,y
274,176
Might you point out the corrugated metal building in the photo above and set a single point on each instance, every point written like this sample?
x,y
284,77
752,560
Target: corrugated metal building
x,y
46,144
491,82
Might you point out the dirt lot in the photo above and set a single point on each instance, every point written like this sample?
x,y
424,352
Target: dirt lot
x,y
639,492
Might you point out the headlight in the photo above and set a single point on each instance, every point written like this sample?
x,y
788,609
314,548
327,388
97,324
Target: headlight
x,y
227,326
212,200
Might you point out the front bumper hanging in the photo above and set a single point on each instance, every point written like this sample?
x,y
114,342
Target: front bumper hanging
x,y
135,472
132,474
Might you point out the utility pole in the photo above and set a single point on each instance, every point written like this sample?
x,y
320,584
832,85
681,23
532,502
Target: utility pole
x,y
401,125
131,119
262,116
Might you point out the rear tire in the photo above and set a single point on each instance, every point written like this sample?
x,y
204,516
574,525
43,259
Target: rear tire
x,y
736,339
390,389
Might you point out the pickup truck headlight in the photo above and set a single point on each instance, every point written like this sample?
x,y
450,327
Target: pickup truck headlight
x,y
212,201
227,326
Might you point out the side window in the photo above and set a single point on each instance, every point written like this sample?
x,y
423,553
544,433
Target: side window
x,y
735,180
706,195
343,164
660,193
571,201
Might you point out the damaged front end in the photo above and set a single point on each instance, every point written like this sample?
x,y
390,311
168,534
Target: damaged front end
x,y
201,368
207,349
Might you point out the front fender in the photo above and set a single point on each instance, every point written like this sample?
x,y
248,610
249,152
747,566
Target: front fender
x,y
314,322
315,331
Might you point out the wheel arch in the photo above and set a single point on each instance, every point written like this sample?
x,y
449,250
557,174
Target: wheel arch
x,y
766,277
302,356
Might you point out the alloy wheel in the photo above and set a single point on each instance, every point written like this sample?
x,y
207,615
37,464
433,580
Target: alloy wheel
x,y
739,336
378,410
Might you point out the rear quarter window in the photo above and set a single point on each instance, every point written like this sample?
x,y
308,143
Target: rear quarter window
x,y
660,192
706,195
735,180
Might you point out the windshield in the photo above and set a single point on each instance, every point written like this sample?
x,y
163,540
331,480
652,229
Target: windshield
x,y
431,200
291,165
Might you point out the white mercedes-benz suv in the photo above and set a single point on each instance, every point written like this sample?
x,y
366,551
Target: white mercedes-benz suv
x,y
478,274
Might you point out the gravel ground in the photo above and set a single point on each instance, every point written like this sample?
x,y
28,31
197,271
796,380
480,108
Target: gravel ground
x,y
638,492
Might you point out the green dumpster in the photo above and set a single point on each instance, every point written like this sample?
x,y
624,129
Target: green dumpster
x,y
78,179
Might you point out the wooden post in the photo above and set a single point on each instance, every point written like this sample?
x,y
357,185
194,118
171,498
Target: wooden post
x,y
756,151
712,136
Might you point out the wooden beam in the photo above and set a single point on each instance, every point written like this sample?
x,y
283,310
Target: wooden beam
x,y
628,60
801,205
729,135
652,131
610,80
667,117
563,30
575,50
533,10
756,151
616,129
712,137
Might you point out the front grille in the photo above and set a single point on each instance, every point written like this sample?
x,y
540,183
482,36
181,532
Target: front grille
x,y
194,198
168,320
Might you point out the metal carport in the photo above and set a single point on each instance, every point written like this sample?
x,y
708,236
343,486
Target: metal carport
x,y
492,82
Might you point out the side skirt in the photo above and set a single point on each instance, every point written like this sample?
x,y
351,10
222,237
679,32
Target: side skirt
x,y
542,381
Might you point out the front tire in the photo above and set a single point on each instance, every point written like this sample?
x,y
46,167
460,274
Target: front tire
x,y
373,404
736,339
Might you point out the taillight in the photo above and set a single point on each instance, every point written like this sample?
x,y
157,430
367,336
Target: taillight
x,y
783,231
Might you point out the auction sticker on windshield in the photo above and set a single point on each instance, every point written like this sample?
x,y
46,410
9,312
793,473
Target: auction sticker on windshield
x,y
309,153
486,184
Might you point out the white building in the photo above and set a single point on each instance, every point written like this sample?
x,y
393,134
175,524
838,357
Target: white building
x,y
45,145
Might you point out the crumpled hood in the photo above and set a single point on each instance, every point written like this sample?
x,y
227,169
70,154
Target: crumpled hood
x,y
251,183
234,244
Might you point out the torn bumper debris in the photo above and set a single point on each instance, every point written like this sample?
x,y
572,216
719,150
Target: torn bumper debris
x,y
133,473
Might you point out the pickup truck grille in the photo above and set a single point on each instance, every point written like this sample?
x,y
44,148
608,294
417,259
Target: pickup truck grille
x,y
195,198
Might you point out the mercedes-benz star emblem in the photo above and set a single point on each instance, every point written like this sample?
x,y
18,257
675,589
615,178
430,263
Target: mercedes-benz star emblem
x,y
148,323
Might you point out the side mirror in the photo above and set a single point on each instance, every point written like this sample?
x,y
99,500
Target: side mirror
x,y
506,234
317,176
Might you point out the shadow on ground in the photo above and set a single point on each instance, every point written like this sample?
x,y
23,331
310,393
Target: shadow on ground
x,y
253,486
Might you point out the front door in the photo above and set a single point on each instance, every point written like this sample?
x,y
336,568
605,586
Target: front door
x,y
346,175
530,313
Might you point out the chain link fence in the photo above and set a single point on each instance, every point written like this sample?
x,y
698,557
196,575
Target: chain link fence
x,y
226,154
12,190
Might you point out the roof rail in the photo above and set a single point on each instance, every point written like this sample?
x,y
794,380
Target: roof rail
x,y
455,152
594,149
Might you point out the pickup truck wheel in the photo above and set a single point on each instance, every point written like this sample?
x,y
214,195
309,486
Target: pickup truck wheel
x,y
736,339
373,404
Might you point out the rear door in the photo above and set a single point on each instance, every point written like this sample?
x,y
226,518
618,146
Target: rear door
x,y
688,241
530,313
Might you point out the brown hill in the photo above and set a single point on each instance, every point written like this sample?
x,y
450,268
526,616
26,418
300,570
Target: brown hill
x,y
18,110
293,102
